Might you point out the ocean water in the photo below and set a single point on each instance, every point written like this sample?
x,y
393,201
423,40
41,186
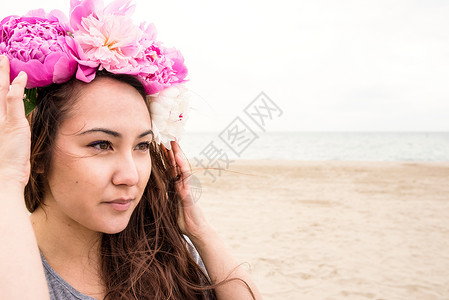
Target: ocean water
x,y
353,146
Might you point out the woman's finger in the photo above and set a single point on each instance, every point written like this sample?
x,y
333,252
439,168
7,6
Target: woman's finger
x,y
4,83
181,162
179,158
172,168
14,100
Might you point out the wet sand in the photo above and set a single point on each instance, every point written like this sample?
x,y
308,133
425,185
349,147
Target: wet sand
x,y
335,230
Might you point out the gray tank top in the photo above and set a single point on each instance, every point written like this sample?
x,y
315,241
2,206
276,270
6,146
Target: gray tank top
x,y
61,290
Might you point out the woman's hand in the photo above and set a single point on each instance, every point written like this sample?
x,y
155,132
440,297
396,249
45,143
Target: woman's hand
x,y
21,267
218,260
15,136
191,219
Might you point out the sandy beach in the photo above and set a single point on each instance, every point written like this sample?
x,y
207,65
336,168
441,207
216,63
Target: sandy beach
x,y
335,230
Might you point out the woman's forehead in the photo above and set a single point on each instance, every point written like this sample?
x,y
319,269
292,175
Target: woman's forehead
x,y
108,102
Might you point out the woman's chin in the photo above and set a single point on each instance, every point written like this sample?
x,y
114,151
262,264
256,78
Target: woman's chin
x,y
113,226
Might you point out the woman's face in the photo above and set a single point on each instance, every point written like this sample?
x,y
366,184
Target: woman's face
x,y
100,163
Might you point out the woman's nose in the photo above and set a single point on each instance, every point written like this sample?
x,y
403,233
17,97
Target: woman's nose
x,y
125,171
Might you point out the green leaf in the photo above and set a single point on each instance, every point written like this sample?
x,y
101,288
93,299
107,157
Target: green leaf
x,y
29,100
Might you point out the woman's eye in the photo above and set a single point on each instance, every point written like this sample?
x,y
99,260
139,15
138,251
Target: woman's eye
x,y
101,145
143,146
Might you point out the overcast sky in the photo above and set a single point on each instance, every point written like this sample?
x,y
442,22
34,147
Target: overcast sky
x,y
330,65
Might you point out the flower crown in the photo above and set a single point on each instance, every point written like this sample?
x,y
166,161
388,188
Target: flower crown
x,y
52,49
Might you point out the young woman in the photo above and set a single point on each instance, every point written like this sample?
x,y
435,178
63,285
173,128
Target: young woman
x,y
111,211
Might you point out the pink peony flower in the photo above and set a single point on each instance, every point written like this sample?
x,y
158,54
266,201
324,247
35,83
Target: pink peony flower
x,y
80,9
106,38
168,64
169,113
38,44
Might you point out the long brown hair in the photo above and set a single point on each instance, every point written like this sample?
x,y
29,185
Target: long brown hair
x,y
147,260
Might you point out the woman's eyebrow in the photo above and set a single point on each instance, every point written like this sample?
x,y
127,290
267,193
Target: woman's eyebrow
x,y
113,133
104,130
146,133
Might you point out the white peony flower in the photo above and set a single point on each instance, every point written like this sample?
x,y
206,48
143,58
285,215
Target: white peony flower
x,y
169,113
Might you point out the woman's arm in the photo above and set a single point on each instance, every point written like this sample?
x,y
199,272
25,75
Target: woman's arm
x,y
221,265
21,271
219,262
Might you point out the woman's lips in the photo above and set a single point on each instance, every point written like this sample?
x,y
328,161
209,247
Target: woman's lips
x,y
120,204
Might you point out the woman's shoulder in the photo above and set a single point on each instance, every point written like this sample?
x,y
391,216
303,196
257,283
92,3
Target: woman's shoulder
x,y
195,255
60,289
